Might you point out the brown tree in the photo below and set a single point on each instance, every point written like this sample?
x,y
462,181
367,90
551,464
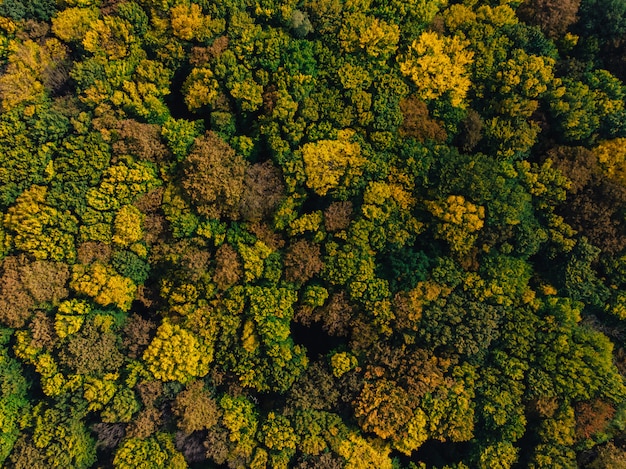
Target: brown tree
x,y
594,202
138,333
42,330
302,261
471,131
195,409
552,16
140,140
213,177
578,164
593,417
228,267
154,223
609,456
91,251
91,351
263,190
315,389
145,424
417,123
25,284
337,216
336,316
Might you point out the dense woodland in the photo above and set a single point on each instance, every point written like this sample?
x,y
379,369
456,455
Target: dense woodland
x,y
312,234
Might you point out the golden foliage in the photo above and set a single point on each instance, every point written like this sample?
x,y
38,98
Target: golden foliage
x,y
437,65
39,229
127,226
459,221
329,163
611,155
176,354
104,285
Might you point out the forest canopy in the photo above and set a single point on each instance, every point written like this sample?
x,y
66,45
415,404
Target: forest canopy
x,y
326,234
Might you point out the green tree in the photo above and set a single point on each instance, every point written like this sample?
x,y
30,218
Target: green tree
x,y
156,451
14,397
55,437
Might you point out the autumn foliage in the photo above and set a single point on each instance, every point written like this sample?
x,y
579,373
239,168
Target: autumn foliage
x,y
313,234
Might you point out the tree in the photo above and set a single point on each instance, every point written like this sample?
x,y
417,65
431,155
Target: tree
x,y
263,191
458,221
26,285
213,177
196,409
140,140
55,438
609,456
233,440
200,88
554,18
13,400
40,229
91,351
302,261
331,164
611,157
157,451
103,284
520,81
603,18
459,325
416,122
72,24
28,143
374,36
176,354
438,65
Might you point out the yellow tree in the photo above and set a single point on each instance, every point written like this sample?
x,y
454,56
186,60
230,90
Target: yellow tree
x,y
437,65
459,220
176,354
611,155
331,163
71,24
39,229
372,35
200,88
521,80
103,284
127,226
22,80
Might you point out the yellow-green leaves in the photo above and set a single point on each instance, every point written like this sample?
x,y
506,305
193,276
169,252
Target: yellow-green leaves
x,y
176,354
458,221
104,285
437,65
200,88
372,35
329,163
127,226
189,23
71,24
611,155
157,451
40,229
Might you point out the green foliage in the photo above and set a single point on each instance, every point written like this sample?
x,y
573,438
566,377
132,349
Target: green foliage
x,y
157,451
14,399
20,9
57,438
